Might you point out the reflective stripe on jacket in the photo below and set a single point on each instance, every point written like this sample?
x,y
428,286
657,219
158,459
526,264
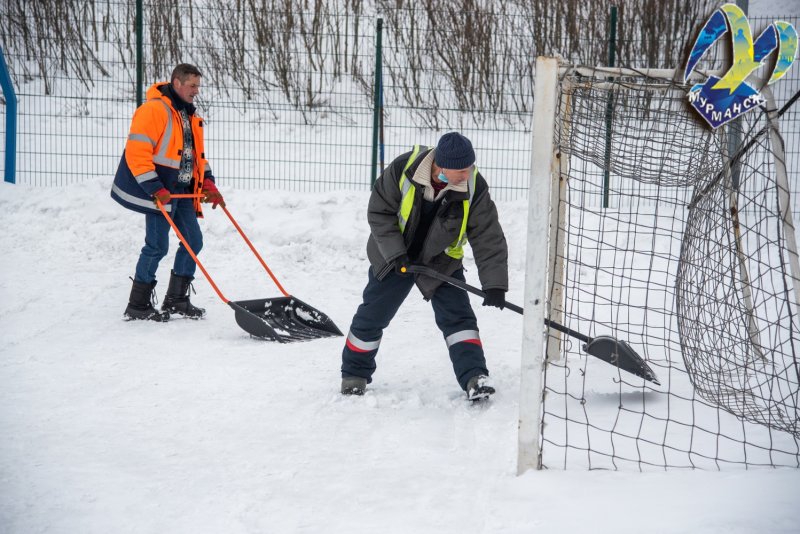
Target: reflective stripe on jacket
x,y
152,155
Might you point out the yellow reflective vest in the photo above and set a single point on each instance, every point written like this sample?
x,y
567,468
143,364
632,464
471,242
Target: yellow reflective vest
x,y
407,192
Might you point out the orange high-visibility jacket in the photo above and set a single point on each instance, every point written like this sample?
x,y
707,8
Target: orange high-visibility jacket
x,y
152,155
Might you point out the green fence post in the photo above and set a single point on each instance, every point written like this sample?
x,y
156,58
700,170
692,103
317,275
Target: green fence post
x,y
377,100
139,61
612,56
381,145
11,121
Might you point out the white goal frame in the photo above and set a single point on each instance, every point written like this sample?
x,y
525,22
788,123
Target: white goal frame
x,y
547,166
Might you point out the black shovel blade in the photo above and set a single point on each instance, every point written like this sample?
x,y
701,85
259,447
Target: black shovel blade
x,y
283,319
620,354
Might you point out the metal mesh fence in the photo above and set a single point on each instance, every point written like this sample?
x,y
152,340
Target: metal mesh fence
x,y
72,130
289,96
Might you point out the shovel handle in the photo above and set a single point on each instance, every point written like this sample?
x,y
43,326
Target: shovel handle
x,y
186,195
427,271
241,233
186,245
249,244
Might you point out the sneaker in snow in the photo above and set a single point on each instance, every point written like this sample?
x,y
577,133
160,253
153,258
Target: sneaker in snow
x,y
478,388
353,385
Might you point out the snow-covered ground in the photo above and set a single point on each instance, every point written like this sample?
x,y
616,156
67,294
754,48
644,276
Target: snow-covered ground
x,y
193,427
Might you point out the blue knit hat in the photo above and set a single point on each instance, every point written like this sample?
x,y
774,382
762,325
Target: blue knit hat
x,y
454,151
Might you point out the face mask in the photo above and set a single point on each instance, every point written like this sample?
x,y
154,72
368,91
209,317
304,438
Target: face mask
x,y
442,177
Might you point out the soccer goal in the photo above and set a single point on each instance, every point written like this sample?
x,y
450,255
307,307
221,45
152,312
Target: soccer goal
x,y
676,239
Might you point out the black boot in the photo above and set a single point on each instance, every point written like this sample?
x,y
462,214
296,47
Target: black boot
x,y
177,298
140,305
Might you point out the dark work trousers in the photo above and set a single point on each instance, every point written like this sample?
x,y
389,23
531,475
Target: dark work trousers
x,y
382,299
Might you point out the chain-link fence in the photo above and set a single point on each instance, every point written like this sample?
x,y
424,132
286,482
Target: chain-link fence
x,y
289,88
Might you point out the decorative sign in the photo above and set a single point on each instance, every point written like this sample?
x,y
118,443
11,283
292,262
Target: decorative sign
x,y
720,100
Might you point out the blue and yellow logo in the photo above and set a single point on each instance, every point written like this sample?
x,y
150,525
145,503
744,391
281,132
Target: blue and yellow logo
x,y
721,100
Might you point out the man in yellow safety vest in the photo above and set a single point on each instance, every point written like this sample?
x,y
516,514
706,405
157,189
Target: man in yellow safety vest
x,y
423,209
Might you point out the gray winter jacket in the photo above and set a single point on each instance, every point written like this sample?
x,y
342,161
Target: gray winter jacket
x,y
386,242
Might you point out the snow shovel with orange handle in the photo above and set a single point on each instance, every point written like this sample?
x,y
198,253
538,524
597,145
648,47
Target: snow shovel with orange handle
x,y
283,319
609,349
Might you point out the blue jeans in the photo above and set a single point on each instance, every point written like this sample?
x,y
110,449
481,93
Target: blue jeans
x,y
156,241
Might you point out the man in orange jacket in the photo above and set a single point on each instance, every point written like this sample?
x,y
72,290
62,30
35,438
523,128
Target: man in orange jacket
x,y
164,156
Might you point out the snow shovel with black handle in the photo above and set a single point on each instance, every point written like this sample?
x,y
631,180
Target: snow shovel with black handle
x,y
283,319
609,349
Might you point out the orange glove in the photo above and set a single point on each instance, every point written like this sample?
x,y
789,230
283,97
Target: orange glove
x,y
162,195
212,194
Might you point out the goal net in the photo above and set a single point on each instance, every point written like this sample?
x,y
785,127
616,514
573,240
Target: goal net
x,y
678,240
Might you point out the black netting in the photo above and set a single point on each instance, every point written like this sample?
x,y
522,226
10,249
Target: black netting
x,y
673,239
